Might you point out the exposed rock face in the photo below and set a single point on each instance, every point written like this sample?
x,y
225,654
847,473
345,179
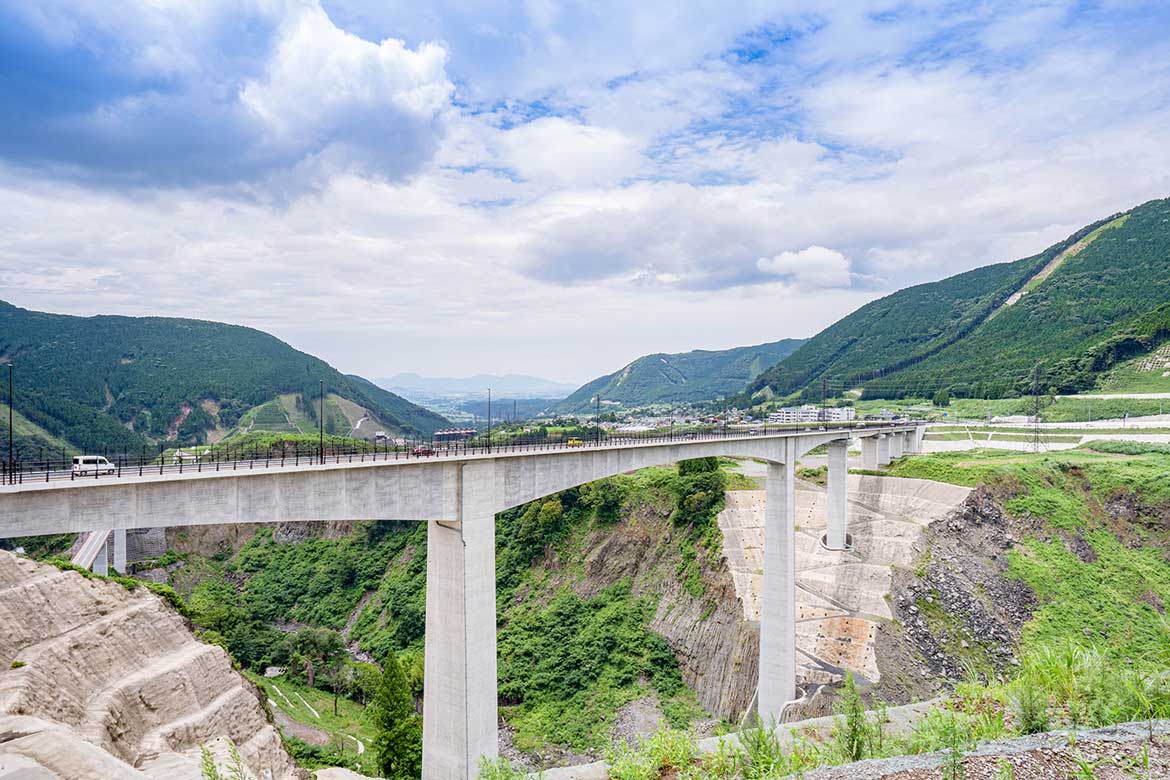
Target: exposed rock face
x,y
114,682
841,595
959,608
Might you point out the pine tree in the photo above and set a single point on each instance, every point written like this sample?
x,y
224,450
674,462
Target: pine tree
x,y
399,741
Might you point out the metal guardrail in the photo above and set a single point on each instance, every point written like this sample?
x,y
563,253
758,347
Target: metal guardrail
x,y
227,458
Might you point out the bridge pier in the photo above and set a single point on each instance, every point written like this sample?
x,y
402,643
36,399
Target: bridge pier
x,y
896,442
101,563
914,439
459,709
836,532
118,543
777,676
869,452
883,449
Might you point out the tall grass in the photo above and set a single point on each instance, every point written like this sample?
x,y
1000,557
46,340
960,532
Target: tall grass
x,y
1058,686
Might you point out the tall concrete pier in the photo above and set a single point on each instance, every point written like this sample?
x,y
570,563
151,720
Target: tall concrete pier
x,y
458,497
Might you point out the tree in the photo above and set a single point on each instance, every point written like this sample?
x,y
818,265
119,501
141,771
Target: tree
x,y
942,398
313,650
398,745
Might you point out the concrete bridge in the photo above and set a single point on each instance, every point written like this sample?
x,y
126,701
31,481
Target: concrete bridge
x,y
458,497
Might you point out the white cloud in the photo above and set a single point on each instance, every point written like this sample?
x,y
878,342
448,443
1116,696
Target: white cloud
x,y
811,268
558,151
325,88
476,197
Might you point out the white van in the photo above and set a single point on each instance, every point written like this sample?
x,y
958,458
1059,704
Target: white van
x,y
91,464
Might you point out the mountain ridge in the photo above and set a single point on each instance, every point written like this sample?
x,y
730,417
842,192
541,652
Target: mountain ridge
x,y
681,377
130,382
1075,309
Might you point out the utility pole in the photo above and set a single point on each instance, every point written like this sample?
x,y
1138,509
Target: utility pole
x,y
1036,408
11,449
321,426
597,420
824,402
489,432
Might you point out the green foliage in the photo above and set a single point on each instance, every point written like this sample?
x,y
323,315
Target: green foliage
x,y
317,581
853,734
313,651
1031,710
700,492
566,667
235,768
1109,602
686,377
942,398
502,769
309,756
399,741
40,547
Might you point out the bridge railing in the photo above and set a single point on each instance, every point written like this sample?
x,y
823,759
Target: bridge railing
x,y
280,454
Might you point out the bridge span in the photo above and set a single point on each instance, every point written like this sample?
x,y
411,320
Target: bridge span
x,y
458,497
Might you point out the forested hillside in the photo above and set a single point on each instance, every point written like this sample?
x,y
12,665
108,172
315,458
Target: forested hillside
x,y
685,377
132,381
1077,309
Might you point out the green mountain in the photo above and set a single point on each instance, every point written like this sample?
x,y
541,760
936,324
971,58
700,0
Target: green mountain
x,y
130,382
1076,310
685,377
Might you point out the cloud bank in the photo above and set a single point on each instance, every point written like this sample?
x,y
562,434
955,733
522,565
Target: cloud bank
x,y
555,188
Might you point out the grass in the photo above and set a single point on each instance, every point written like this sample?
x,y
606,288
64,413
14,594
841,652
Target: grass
x,y
1062,409
1101,582
1057,686
1048,430
1129,377
350,720
22,427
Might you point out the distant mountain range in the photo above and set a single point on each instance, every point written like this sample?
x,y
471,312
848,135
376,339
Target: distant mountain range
x,y
131,382
686,377
418,387
1075,311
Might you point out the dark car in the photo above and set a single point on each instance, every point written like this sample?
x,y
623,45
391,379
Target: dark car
x,y
422,450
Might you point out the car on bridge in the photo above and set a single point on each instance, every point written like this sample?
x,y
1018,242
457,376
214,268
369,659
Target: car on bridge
x,y
574,443
91,464
422,450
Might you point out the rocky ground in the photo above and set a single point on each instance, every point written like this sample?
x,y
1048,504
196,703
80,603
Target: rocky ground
x,y
100,681
956,609
1119,752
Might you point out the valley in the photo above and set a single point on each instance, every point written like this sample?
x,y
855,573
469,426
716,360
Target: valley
x,y
622,590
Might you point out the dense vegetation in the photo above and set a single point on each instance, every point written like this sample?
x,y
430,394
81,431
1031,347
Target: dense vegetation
x,y
686,377
1103,304
121,381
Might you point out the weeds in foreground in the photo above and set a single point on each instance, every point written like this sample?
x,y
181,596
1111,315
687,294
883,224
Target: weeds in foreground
x,y
1056,688
235,768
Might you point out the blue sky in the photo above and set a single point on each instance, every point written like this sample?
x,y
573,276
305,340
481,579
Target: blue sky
x,y
555,188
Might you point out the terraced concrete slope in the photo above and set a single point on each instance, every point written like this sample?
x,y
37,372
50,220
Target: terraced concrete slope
x,y
100,682
841,596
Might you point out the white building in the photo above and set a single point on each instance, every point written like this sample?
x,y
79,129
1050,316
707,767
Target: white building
x,y
812,413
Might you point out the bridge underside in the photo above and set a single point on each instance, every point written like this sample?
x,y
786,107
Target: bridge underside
x,y
459,499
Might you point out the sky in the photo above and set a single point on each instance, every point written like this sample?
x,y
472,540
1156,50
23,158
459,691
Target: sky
x,y
549,188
